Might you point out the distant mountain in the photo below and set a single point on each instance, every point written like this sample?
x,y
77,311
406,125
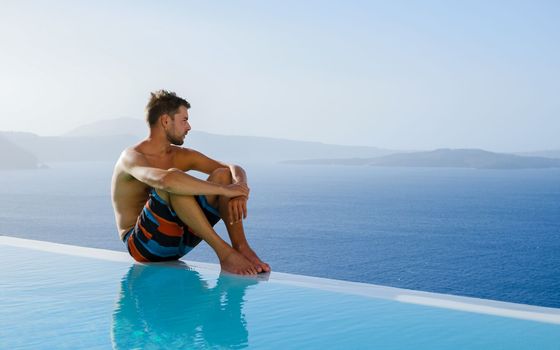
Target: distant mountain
x,y
14,157
71,149
451,158
104,140
547,154
110,127
252,148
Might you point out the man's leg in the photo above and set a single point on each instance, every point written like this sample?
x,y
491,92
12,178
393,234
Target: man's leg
x,y
190,213
235,230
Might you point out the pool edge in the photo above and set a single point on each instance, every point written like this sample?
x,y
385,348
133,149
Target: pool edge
x,y
446,301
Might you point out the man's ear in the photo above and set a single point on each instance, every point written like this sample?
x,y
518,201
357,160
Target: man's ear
x,y
164,120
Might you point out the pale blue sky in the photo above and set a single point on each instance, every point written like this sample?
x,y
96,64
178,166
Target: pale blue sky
x,y
399,74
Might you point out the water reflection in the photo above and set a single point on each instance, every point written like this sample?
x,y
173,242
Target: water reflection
x,y
170,306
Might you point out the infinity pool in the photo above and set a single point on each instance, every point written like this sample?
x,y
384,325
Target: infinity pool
x,y
55,296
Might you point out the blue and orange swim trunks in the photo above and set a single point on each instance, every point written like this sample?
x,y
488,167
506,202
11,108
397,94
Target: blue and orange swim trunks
x,y
159,234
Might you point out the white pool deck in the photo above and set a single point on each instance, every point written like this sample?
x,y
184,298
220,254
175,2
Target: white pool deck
x,y
446,301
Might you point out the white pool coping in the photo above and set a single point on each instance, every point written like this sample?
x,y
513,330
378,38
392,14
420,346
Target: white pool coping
x,y
445,301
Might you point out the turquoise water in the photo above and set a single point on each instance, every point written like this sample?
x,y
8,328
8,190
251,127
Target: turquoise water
x,y
54,301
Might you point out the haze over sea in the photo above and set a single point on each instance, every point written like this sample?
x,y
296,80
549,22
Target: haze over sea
x,y
485,233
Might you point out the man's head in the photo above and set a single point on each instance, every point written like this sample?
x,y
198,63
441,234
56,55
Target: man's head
x,y
169,111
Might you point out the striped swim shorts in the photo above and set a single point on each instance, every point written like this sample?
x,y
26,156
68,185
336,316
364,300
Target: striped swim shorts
x,y
159,234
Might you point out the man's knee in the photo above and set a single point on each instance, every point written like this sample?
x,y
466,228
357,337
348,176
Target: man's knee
x,y
166,196
221,176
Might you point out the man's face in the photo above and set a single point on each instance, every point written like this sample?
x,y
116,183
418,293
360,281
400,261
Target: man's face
x,y
178,127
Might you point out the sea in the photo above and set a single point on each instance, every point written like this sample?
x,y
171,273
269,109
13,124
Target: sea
x,y
492,234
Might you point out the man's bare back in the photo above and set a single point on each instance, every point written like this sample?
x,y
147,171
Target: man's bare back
x,y
153,173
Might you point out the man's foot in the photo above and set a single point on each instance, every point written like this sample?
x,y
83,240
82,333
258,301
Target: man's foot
x,y
236,263
248,253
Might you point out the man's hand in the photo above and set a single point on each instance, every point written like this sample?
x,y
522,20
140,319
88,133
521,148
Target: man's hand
x,y
237,209
236,190
237,205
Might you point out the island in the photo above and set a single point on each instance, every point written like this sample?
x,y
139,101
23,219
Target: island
x,y
444,158
14,157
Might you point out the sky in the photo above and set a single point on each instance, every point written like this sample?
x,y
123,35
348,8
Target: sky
x,y
412,75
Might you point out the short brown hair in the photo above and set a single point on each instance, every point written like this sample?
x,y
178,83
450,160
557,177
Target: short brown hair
x,y
163,102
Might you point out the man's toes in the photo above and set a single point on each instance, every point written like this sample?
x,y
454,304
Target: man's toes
x,y
264,267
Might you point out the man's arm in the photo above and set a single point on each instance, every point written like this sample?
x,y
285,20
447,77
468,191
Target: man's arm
x,y
191,159
174,180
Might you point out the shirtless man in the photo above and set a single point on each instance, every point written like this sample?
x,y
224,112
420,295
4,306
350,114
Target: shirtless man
x,y
162,212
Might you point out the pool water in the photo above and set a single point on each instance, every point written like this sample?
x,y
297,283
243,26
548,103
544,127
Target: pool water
x,y
65,297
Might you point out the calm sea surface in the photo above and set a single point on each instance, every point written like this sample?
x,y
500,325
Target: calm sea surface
x,y
485,233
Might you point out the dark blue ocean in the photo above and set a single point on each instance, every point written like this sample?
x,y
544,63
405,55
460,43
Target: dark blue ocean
x,y
491,234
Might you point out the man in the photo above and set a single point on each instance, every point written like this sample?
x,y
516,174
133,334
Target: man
x,y
162,212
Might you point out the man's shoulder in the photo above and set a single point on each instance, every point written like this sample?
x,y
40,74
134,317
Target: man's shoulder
x,y
184,151
131,156
138,149
188,158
